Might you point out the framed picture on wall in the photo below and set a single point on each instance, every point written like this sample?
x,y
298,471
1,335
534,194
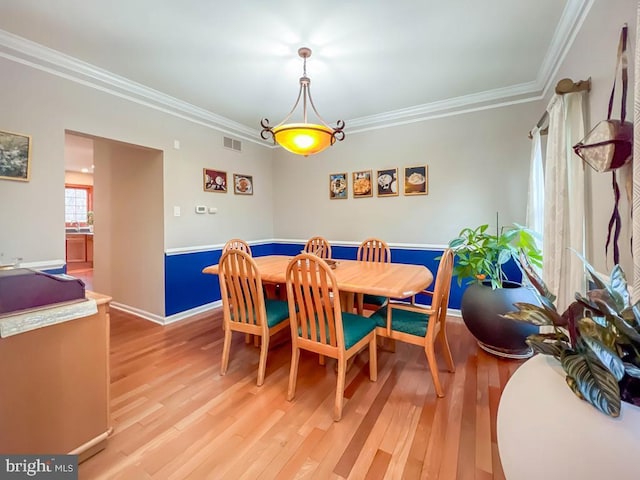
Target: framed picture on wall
x,y
214,180
338,188
15,156
242,184
387,182
362,184
416,180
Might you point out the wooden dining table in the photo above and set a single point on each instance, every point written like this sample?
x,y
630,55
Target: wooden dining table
x,y
393,280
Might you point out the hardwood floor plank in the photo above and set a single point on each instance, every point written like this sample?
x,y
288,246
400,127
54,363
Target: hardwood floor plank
x,y
175,417
483,415
355,446
378,466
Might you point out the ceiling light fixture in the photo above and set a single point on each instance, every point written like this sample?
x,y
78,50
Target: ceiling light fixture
x,y
303,138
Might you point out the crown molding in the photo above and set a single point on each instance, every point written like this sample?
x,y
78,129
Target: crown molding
x,y
571,21
26,52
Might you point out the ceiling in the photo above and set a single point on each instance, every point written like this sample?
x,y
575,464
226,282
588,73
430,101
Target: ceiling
x,y
229,64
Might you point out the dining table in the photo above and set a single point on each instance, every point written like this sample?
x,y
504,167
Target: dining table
x,y
393,280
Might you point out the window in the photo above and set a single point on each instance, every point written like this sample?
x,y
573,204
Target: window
x,y
78,202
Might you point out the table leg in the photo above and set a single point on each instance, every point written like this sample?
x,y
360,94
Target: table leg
x,y
346,301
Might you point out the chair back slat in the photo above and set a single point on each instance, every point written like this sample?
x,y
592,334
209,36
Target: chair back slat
x,y
318,246
441,291
241,288
374,250
314,304
237,244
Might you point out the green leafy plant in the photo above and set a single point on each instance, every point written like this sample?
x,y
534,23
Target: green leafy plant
x,y
481,255
596,339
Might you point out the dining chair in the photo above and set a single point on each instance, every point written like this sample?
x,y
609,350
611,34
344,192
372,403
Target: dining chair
x,y
237,244
318,246
245,308
422,325
318,324
372,250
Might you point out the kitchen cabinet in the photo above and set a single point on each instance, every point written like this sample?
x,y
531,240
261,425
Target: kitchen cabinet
x,y
79,249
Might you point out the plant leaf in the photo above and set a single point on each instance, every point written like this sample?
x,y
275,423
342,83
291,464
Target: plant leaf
x,y
618,287
534,278
625,328
534,314
558,335
595,383
555,349
632,370
607,357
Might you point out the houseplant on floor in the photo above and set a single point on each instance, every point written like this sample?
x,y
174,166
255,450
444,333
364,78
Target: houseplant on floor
x,y
482,257
596,340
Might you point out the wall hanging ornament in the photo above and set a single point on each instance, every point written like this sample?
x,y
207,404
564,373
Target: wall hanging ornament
x,y
609,145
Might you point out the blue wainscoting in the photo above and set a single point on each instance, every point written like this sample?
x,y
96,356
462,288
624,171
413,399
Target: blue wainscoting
x,y
186,287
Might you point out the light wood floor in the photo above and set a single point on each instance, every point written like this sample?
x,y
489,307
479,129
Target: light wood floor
x,y
175,417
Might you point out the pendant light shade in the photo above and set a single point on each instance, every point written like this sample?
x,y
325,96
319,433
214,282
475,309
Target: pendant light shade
x,y
303,138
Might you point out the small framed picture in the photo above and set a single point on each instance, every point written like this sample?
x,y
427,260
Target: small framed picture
x,y
242,184
416,180
362,184
387,181
214,180
338,188
15,156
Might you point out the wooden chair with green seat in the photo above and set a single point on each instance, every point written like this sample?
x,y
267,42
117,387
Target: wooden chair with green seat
x,y
419,325
318,246
372,250
245,308
319,325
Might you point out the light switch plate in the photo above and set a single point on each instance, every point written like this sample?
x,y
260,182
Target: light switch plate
x,y
201,209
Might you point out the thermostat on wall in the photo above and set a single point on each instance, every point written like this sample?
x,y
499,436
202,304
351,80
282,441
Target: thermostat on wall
x,y
201,209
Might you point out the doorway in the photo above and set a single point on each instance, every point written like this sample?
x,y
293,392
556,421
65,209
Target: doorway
x,y
78,180
126,224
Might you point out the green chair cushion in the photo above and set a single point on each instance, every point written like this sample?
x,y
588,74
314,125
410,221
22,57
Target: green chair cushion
x,y
355,328
277,311
374,300
413,323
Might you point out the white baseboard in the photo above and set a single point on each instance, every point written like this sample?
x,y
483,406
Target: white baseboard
x,y
194,311
152,317
160,320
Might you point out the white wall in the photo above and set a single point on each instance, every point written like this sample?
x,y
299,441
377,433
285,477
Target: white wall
x,y
44,106
593,54
129,243
478,165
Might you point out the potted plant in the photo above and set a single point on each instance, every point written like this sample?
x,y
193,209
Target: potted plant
x,y
482,257
596,340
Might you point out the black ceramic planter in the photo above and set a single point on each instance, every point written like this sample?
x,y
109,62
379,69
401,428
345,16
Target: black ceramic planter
x,y
481,310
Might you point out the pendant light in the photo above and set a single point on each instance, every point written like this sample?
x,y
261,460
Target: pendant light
x,y
303,138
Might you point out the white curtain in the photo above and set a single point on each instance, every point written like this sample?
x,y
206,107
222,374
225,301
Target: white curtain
x,y
563,271
535,203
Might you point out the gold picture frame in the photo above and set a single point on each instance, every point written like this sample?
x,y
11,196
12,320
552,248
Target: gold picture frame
x,y
242,184
362,185
387,182
15,156
214,180
338,186
416,180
